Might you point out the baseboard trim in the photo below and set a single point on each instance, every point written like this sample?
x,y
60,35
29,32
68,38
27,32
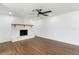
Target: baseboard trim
x,y
59,40
22,38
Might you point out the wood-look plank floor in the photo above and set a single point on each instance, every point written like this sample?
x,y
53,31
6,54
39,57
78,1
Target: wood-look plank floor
x,y
38,46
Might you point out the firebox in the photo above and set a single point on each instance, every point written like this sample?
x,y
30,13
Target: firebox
x,y
23,32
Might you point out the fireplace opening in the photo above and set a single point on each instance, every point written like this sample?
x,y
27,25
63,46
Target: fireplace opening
x,y
23,32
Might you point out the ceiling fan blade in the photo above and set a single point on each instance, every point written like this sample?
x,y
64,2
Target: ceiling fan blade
x,y
44,14
47,11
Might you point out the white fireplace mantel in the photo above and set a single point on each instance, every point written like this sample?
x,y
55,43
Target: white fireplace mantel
x,y
17,27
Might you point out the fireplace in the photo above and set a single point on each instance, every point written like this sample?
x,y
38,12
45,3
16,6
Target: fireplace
x,y
23,32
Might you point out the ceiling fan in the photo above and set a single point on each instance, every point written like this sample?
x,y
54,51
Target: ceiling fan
x,y
40,12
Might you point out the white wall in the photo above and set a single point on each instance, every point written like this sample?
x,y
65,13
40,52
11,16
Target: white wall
x,y
5,27
64,28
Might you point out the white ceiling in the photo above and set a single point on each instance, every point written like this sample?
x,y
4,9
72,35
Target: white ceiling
x,y
25,9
